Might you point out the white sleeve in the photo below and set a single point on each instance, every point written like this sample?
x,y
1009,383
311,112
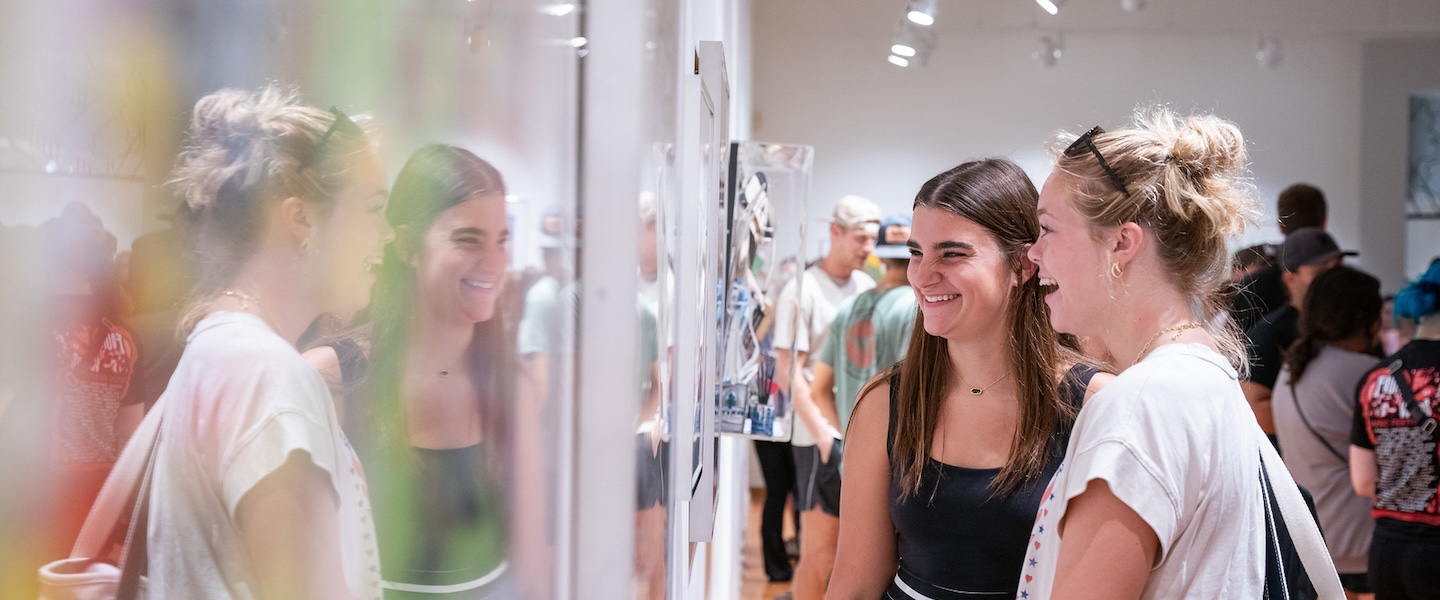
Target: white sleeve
x,y
792,325
285,410
1135,480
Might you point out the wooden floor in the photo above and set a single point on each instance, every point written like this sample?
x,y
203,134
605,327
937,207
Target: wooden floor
x,y
754,585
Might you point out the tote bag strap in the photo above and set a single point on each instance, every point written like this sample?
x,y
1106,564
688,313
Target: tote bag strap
x,y
1303,531
121,488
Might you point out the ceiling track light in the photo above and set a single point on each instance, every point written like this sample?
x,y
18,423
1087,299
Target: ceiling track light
x,y
898,61
1050,6
1267,51
921,12
912,42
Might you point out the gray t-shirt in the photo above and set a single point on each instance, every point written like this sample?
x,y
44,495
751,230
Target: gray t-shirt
x,y
1326,397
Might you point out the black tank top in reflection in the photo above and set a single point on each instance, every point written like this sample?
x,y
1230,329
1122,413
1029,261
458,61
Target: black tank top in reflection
x,y
953,535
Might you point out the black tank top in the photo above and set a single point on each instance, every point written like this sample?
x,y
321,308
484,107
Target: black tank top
x,y
952,535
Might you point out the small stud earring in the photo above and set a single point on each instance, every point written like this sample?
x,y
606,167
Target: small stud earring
x,y
1116,271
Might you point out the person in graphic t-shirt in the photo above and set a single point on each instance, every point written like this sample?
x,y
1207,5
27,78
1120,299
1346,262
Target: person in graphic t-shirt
x,y
93,358
1395,462
871,330
803,315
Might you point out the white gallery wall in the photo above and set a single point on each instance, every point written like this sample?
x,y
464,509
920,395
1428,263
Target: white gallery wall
x,y
881,131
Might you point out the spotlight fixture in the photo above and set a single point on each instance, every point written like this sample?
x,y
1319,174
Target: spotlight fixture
x,y
1267,51
558,10
1132,5
921,12
1050,6
913,42
1051,48
899,61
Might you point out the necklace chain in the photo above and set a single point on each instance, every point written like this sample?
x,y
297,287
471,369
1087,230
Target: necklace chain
x,y
976,391
247,302
1177,330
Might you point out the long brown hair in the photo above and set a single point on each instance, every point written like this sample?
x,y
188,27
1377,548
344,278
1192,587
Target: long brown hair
x,y
1342,303
997,195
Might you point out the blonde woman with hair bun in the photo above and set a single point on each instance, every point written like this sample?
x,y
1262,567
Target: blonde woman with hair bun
x,y
1160,493
256,492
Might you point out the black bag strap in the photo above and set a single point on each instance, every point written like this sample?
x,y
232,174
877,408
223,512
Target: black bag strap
x,y
135,561
1427,421
1303,419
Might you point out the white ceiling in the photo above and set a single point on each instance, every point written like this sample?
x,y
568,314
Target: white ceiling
x,y
1362,18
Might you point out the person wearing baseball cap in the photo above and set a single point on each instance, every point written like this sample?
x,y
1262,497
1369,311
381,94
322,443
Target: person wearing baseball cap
x,y
870,332
803,316
1306,253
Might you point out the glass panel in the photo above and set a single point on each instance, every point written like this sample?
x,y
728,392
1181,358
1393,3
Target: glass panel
x,y
770,186
417,244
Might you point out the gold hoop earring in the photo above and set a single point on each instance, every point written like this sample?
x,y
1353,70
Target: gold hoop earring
x,y
1116,271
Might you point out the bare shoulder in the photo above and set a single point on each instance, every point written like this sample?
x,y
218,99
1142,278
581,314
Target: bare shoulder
x,y
872,408
326,362
1097,383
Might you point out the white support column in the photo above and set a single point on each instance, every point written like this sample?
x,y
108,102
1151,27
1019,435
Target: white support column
x,y
603,526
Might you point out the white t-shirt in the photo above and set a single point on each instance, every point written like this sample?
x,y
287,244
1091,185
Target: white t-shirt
x,y
240,402
1327,395
805,324
1176,442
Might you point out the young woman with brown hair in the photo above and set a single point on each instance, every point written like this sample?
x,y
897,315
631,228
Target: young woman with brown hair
x,y
949,449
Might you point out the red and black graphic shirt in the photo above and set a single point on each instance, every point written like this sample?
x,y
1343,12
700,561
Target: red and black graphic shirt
x,y
1405,457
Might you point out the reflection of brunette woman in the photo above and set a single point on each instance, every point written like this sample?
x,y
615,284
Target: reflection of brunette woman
x,y
430,383
948,451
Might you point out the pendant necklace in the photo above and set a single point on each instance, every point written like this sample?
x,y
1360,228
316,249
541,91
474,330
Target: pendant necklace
x,y
976,391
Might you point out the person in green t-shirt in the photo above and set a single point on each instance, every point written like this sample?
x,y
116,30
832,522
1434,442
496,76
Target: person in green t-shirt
x,y
871,330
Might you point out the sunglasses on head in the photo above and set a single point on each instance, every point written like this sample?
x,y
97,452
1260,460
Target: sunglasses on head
x,y
1086,141
342,124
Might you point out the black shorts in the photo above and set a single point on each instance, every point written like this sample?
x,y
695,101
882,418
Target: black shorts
x,y
1358,583
816,481
650,488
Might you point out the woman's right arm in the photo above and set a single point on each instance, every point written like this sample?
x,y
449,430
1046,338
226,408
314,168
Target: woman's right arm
x,y
865,560
288,523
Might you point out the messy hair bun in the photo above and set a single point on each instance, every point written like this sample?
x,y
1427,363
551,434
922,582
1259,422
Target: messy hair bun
x,y
244,152
1186,183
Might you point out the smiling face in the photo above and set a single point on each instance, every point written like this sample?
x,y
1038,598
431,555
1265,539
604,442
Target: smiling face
x,y
461,260
348,244
962,278
1074,268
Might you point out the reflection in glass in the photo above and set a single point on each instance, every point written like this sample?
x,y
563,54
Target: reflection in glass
x,y
427,377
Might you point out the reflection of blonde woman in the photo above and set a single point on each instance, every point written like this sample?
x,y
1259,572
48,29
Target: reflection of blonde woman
x,y
1160,493
256,491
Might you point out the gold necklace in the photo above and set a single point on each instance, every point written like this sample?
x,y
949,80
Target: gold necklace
x,y
976,391
246,301
1178,329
